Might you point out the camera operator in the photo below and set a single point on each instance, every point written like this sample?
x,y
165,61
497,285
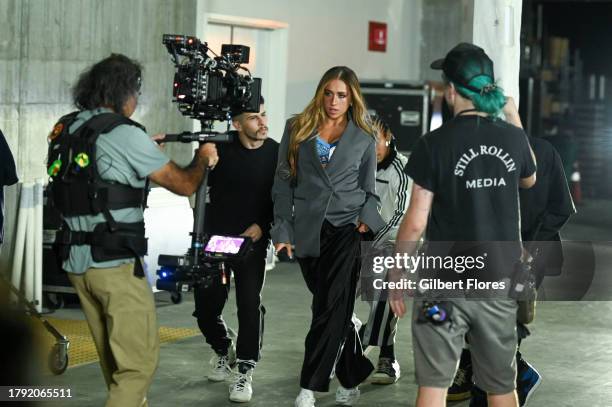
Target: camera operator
x,y
465,208
101,194
240,204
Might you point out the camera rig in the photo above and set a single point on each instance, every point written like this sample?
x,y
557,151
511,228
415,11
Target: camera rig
x,y
210,88
207,89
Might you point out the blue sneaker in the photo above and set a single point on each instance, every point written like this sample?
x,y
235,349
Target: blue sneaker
x,y
527,381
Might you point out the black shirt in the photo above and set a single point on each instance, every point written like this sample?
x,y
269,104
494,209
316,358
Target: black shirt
x,y
240,189
472,165
8,176
549,201
545,208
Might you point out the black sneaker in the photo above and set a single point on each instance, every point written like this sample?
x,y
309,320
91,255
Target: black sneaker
x,y
387,371
527,381
479,397
462,385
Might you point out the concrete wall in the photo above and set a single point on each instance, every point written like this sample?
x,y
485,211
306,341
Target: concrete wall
x,y
45,44
445,23
324,33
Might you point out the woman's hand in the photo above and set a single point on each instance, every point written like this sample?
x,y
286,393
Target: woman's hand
x,y
282,246
363,228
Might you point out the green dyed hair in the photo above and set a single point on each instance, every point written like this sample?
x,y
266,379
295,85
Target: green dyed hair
x,y
490,99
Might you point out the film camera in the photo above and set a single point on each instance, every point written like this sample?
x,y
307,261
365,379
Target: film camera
x,y
210,88
207,89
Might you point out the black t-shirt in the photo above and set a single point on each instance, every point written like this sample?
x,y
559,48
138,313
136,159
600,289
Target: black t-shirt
x,y
8,176
545,208
240,189
473,165
548,204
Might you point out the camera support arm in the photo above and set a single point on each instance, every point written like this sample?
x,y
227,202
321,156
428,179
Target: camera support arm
x,y
201,137
204,136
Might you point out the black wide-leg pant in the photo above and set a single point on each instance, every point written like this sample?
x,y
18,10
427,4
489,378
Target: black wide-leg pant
x,y
332,344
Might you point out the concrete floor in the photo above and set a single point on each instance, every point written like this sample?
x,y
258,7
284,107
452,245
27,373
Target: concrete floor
x,y
571,346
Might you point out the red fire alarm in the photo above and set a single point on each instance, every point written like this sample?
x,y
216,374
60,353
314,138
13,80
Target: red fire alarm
x,y
377,35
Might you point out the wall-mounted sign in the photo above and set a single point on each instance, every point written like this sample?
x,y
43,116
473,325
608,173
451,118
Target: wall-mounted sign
x,y
377,34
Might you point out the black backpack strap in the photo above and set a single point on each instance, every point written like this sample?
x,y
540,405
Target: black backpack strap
x,y
125,241
105,122
109,196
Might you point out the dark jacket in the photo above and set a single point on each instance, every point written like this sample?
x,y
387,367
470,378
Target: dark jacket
x,y
546,207
8,175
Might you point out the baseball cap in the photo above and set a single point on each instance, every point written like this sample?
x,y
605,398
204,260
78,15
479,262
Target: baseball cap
x,y
465,62
237,111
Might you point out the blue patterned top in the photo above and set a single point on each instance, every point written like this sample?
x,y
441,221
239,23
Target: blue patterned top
x,y
325,150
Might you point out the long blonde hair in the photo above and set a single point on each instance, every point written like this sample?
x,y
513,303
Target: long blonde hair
x,y
303,124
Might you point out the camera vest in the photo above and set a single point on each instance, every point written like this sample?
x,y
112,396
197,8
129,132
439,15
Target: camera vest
x,y
76,189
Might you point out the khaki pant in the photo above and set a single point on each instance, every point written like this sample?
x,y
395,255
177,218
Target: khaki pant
x,y
120,311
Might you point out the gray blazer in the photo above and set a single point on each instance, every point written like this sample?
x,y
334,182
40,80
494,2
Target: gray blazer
x,y
343,192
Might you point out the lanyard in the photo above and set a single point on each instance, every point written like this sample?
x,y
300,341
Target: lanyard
x,y
466,111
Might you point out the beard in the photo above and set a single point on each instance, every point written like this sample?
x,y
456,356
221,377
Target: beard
x,y
257,135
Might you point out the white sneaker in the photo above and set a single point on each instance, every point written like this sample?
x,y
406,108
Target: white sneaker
x,y
346,397
222,366
306,398
241,390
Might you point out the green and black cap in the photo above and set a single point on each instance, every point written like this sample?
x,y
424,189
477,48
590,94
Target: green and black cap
x,y
463,63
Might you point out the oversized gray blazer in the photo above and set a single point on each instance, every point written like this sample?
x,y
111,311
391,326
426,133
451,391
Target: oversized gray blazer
x,y
343,192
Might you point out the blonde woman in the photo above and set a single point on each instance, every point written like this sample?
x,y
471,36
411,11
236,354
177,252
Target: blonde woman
x,y
324,199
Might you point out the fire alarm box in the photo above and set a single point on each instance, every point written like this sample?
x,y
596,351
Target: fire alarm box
x,y
377,35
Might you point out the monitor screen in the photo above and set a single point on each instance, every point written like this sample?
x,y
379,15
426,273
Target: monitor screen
x,y
224,244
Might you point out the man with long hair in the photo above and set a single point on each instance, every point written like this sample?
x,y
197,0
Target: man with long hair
x,y
324,198
103,236
452,201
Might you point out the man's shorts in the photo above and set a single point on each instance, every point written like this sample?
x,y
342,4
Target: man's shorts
x,y
490,327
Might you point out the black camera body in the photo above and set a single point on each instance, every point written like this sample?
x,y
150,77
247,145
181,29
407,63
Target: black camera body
x,y
178,274
210,88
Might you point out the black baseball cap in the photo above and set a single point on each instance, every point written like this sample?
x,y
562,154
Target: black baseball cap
x,y
465,62
238,111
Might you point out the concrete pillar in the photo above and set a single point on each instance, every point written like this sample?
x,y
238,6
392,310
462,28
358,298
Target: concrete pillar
x,y
496,27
